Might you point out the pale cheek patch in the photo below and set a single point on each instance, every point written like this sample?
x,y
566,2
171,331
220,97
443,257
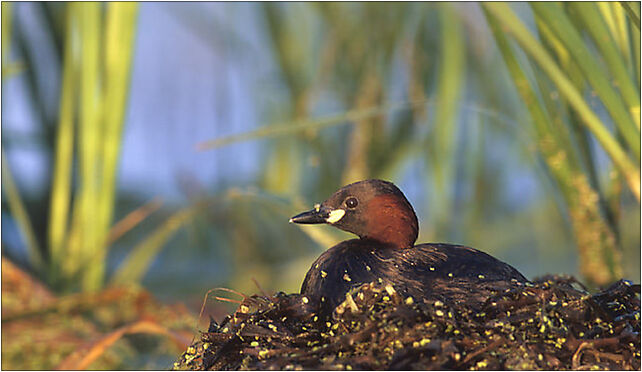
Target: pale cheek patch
x,y
335,216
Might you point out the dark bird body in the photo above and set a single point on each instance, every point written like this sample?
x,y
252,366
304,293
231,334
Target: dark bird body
x,y
379,213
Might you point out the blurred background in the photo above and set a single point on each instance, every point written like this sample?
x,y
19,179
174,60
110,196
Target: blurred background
x,y
159,149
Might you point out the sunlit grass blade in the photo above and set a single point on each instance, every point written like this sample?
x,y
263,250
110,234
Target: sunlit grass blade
x,y
597,28
548,136
119,40
7,21
551,41
104,64
633,13
295,55
570,135
9,68
513,25
297,126
443,139
613,14
540,118
635,45
283,166
90,130
72,265
623,39
607,12
554,16
64,151
292,46
595,238
117,60
20,215
357,165
84,357
133,219
140,258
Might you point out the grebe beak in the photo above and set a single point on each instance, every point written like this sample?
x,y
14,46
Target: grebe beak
x,y
314,216
319,215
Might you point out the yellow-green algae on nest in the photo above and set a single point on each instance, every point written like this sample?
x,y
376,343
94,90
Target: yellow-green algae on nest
x,y
547,325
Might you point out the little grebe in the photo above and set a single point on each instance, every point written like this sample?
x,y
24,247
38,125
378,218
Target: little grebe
x,y
379,213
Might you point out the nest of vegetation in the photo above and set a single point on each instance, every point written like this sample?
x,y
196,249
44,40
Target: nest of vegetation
x,y
550,324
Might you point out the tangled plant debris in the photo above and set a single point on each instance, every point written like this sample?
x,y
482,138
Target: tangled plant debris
x,y
550,324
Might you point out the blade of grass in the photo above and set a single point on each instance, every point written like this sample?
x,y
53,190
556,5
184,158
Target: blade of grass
x,y
20,215
287,128
635,45
567,129
90,129
444,137
295,55
361,138
554,16
624,42
63,162
597,250
117,52
132,220
609,18
83,357
532,47
7,21
633,13
597,28
590,18
630,27
572,139
552,43
541,120
70,266
608,11
581,135
8,68
585,216
140,258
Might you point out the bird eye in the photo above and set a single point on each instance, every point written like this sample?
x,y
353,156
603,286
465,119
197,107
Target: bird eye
x,y
352,202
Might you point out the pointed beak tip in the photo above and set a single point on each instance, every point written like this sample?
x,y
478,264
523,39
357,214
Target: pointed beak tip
x,y
291,220
310,217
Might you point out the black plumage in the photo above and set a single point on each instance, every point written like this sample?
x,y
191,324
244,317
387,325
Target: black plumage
x,y
425,272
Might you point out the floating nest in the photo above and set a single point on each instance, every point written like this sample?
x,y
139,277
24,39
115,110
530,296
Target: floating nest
x,y
552,324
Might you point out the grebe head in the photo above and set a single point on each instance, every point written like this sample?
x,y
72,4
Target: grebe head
x,y
372,209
